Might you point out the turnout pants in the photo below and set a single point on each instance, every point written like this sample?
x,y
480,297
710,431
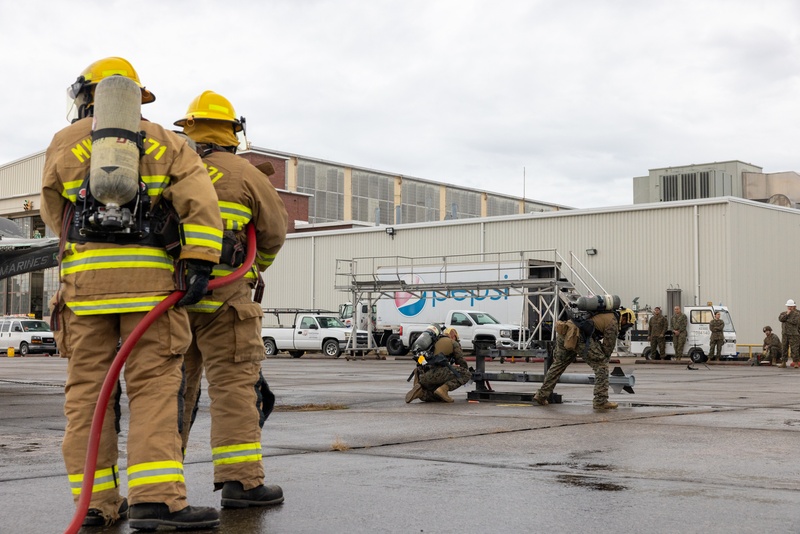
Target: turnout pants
x,y
227,345
153,382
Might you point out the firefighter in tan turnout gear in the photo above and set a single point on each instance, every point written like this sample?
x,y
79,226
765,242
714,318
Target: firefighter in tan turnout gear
x,y
112,273
226,324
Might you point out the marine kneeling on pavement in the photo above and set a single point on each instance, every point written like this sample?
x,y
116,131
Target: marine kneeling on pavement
x,y
595,335
441,367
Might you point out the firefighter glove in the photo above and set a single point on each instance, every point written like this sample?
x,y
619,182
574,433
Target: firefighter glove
x,y
198,273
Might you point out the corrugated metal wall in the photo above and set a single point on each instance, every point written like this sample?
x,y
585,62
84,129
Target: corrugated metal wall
x,y
21,178
764,258
641,252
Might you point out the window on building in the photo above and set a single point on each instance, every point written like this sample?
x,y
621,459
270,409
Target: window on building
x,y
532,207
373,197
325,184
462,204
420,202
501,206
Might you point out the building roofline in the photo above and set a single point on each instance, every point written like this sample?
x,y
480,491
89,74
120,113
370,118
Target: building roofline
x,y
287,155
705,165
24,158
555,214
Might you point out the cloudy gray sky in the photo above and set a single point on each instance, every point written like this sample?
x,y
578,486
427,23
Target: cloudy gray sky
x,y
581,94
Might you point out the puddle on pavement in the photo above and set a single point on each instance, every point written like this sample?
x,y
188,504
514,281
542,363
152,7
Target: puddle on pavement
x,y
643,405
575,465
589,483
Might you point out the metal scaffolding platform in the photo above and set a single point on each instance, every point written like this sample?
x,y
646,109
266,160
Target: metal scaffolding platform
x,y
547,281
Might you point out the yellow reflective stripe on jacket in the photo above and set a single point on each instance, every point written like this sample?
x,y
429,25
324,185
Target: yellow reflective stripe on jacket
x,y
120,305
236,454
156,184
235,215
205,306
265,260
155,473
221,269
115,258
71,190
104,479
202,236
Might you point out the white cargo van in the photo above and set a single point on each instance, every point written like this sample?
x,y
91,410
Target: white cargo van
x,y
26,336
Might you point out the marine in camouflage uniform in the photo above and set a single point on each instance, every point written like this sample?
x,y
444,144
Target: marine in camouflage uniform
x,y
679,324
717,338
656,330
790,334
601,345
434,382
771,351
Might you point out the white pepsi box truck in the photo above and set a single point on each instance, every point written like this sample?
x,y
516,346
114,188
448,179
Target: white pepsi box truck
x,y
484,316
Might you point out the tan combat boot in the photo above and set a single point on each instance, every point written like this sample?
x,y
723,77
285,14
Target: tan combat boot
x,y
415,393
441,392
608,405
540,399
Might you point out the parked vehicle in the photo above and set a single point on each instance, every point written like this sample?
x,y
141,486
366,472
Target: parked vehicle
x,y
476,330
481,288
698,334
350,314
310,331
26,336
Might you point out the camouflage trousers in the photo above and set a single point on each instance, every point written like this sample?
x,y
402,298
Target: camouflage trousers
x,y
715,349
679,342
562,357
434,378
658,344
771,354
790,342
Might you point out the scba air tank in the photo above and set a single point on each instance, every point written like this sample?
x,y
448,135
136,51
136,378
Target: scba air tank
x,y
114,170
598,303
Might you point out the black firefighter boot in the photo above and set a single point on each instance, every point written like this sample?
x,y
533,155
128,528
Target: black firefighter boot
x,y
153,515
94,517
234,495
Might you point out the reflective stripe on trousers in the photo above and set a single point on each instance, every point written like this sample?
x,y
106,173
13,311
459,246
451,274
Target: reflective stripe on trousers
x,y
104,479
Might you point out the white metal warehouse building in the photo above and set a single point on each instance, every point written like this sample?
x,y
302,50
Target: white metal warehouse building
x,y
729,251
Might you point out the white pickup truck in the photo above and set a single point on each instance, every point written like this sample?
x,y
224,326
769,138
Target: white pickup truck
x,y
476,329
310,332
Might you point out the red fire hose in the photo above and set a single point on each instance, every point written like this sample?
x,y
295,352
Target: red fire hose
x,y
116,367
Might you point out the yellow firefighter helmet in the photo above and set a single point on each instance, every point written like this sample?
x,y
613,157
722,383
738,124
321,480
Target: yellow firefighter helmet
x,y
103,68
211,106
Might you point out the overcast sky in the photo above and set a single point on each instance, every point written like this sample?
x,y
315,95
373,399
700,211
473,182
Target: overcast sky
x,y
579,96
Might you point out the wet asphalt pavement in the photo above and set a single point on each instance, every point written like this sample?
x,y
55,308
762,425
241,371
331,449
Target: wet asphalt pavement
x,y
707,450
